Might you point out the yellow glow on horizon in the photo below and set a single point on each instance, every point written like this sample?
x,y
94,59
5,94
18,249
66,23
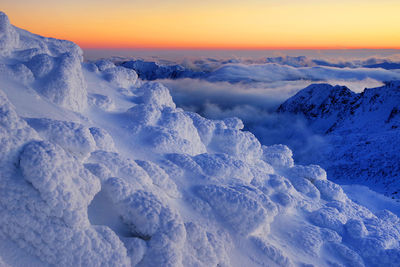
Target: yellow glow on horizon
x,y
254,25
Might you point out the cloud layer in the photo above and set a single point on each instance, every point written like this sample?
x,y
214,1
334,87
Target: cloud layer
x,y
252,92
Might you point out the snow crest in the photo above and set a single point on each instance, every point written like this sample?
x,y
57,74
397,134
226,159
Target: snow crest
x,y
51,67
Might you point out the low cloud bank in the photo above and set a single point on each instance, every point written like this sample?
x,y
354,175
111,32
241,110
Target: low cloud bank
x,y
256,99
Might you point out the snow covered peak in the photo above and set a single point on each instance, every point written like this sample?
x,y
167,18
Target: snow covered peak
x,y
323,104
329,107
377,108
318,100
355,127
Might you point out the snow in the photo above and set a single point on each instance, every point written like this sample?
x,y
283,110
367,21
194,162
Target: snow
x,y
371,199
9,37
124,178
55,65
72,137
121,77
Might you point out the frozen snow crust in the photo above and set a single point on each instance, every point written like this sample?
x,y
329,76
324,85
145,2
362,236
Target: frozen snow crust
x,y
143,183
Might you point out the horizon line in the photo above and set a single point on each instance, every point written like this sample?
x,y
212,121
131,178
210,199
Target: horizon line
x,y
235,48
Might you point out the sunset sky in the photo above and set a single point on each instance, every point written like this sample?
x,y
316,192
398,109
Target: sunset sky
x,y
225,24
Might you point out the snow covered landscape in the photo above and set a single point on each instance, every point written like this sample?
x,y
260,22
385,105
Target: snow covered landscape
x,y
109,163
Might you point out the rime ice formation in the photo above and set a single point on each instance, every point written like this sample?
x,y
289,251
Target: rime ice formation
x,y
361,130
128,179
52,67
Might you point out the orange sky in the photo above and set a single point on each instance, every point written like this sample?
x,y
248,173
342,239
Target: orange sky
x,y
255,24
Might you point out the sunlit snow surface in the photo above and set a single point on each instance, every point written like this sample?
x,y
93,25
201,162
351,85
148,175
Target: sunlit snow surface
x,y
101,168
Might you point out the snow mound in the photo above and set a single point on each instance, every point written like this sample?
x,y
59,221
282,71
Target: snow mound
x,y
18,72
101,101
231,205
149,219
52,67
62,183
72,137
156,94
62,82
159,125
121,77
44,197
104,64
278,156
14,131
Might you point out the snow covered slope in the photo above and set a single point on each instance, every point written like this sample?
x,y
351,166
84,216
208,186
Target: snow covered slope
x,y
362,130
99,168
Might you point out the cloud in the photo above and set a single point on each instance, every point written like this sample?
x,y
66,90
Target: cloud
x,y
219,99
253,93
255,104
196,93
290,130
357,86
234,73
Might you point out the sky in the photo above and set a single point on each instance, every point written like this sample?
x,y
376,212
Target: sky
x,y
212,24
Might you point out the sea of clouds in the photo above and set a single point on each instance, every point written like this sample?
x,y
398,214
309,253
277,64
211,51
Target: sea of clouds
x,y
253,92
252,87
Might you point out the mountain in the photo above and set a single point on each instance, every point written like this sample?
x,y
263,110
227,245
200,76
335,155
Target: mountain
x,y
271,69
302,61
384,65
99,168
361,130
149,70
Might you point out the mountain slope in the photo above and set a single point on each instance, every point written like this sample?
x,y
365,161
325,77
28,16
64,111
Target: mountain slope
x,y
362,131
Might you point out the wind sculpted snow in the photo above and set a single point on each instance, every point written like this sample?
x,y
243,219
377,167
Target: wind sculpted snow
x,y
128,179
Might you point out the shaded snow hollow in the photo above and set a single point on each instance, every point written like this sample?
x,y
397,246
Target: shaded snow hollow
x,y
128,179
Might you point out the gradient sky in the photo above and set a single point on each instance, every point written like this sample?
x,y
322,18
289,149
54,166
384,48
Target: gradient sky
x,y
231,24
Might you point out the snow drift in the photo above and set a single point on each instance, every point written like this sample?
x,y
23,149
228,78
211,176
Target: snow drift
x,y
139,182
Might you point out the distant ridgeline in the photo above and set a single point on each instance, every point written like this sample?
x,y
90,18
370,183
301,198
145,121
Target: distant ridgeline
x,y
205,68
362,130
148,70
